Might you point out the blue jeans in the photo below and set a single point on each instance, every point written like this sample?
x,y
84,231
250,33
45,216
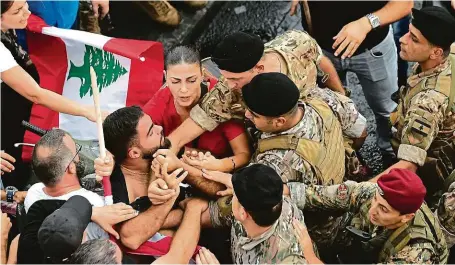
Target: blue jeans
x,y
377,74
400,28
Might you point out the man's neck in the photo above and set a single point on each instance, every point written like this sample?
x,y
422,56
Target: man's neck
x,y
396,225
253,230
137,165
272,63
430,64
293,121
63,187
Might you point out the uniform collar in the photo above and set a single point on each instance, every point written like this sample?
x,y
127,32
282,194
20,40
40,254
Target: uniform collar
x,y
414,79
247,243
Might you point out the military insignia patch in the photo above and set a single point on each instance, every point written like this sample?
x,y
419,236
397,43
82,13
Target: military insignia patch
x,y
342,192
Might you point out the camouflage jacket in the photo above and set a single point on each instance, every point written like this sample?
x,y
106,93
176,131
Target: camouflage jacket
x,y
421,117
278,245
446,215
356,198
301,54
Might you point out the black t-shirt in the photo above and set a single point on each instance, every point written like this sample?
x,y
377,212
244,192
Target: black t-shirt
x,y
29,250
329,17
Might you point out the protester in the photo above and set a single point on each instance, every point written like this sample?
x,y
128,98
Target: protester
x,y
359,39
423,122
97,251
132,137
30,250
171,105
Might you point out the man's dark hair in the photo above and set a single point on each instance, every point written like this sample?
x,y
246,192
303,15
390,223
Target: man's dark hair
x,y
266,218
182,55
97,251
51,157
120,131
6,5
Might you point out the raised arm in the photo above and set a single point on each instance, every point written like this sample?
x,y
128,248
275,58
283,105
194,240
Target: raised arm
x,y
19,80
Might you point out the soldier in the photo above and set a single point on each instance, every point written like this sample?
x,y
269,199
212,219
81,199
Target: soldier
x,y
301,141
240,57
261,219
446,214
391,222
424,121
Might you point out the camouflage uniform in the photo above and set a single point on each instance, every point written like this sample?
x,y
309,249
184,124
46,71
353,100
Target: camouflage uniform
x,y
301,55
419,241
424,124
279,245
446,215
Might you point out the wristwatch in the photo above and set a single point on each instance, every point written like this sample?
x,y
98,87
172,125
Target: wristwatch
x,y
10,191
374,20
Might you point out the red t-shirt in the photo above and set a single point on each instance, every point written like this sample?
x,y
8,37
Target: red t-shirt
x,y
161,109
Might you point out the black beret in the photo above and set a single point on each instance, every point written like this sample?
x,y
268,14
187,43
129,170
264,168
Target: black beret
x,y
436,24
238,52
258,187
271,94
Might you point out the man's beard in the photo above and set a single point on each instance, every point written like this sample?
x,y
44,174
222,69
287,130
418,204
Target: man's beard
x,y
80,169
148,154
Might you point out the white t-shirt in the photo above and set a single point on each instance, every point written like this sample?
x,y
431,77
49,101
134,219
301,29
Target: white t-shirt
x,y
36,193
6,59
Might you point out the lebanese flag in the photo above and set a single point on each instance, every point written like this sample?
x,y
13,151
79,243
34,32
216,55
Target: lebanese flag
x,y
128,73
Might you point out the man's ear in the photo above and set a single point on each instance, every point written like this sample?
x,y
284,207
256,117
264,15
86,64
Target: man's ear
x,y
436,53
72,168
407,217
134,152
242,214
279,122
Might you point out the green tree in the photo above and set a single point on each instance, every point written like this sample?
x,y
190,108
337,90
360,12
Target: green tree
x,y
107,68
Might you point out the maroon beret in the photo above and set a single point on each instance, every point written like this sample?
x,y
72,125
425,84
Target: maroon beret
x,y
403,190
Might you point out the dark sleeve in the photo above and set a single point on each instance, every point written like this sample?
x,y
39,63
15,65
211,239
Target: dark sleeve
x,y
29,250
118,184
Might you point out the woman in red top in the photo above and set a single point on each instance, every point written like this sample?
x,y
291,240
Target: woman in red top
x,y
171,105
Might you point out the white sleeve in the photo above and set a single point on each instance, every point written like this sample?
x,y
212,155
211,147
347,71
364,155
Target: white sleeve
x,y
6,59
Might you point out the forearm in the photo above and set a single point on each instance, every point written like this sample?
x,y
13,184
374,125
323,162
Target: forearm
x,y
400,164
237,161
24,84
393,11
311,257
3,195
173,219
196,180
185,239
3,247
136,231
185,133
333,82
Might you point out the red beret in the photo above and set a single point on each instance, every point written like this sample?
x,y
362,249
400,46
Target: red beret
x,y
403,190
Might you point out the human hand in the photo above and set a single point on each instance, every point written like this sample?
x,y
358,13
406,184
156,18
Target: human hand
x,y
104,167
350,37
19,196
100,6
200,160
302,235
220,177
6,162
166,186
294,4
110,215
204,256
194,202
165,156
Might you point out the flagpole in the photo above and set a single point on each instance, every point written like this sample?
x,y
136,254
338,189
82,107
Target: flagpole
x,y
99,123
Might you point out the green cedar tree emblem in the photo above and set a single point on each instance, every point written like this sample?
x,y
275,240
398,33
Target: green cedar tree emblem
x,y
108,69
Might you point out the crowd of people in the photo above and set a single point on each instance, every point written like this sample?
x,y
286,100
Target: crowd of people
x,y
267,151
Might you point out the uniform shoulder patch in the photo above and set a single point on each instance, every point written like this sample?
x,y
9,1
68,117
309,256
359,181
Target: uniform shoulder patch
x,y
342,192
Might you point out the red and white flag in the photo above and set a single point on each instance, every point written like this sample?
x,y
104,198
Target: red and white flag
x,y
128,72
